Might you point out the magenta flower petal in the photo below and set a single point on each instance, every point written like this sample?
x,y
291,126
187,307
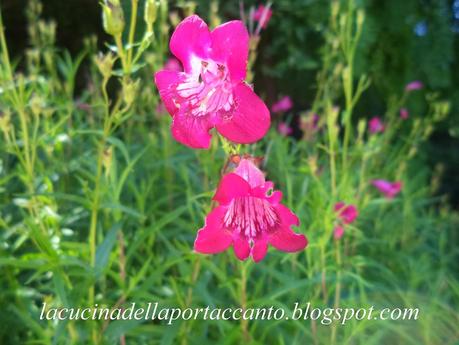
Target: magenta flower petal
x,y
166,81
241,247
191,40
287,217
231,186
262,15
210,91
282,105
338,232
191,131
212,238
414,85
389,189
172,64
375,125
250,119
404,114
275,198
284,238
248,217
347,213
230,45
284,129
288,241
260,248
250,173
262,190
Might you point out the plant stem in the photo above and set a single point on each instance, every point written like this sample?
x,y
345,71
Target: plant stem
x,y
96,201
338,287
243,298
324,273
134,6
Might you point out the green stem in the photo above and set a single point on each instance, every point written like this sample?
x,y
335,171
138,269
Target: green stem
x,y
338,287
134,7
96,201
243,300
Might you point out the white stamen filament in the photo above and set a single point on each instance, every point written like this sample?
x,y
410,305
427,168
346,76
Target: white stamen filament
x,y
250,216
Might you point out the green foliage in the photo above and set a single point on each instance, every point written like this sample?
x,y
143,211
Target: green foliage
x,y
100,205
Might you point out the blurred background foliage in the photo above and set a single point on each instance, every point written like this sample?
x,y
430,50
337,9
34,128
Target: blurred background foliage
x,y
402,41
152,193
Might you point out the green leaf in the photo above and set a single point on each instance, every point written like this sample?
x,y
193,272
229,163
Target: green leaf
x,y
104,249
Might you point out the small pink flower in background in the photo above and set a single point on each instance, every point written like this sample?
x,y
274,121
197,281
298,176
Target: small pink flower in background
x,y
262,15
347,214
248,217
284,129
389,189
172,64
375,125
404,113
338,232
414,85
282,105
211,92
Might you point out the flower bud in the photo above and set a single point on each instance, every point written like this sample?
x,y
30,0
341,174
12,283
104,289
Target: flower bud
x,y
130,91
107,158
105,64
151,11
113,17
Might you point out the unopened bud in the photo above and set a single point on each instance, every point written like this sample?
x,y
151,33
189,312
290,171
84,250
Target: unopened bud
x,y
107,159
113,17
151,11
105,63
130,91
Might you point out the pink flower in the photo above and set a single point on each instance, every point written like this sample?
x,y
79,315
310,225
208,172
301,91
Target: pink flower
x,y
404,114
389,189
414,85
346,213
284,129
262,15
248,217
211,91
376,125
338,232
172,64
282,105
